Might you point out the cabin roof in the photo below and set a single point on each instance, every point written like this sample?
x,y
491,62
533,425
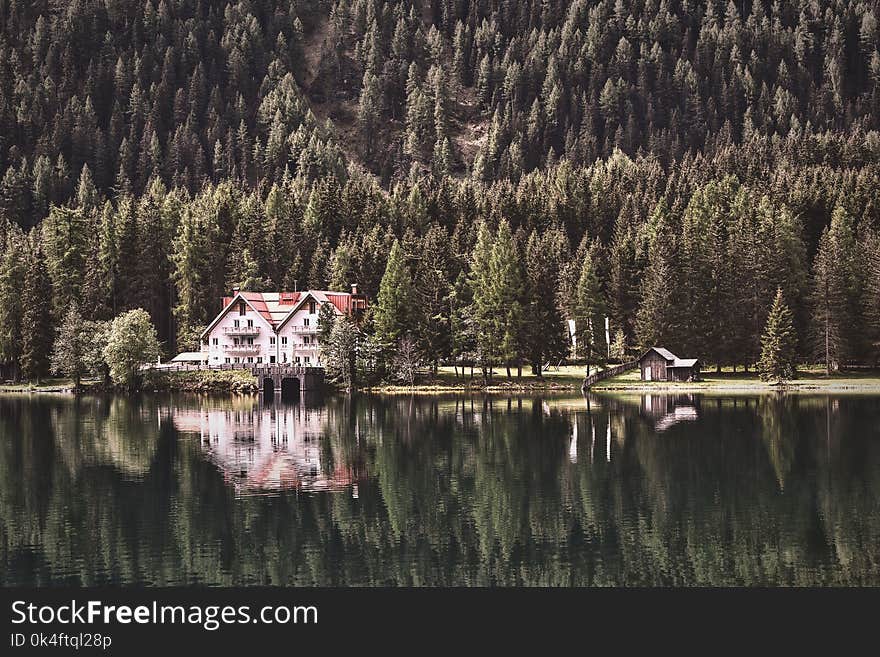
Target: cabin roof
x,y
671,359
664,353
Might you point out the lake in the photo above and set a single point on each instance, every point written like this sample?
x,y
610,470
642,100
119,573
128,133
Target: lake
x,y
633,490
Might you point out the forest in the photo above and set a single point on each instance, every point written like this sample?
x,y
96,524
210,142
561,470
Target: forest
x,y
483,170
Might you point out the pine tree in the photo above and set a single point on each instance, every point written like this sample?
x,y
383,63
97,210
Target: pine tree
x,y
431,297
13,267
507,294
833,321
871,299
778,343
545,333
395,302
485,321
36,315
590,308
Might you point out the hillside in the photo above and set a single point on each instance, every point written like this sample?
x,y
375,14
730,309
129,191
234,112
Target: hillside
x,y
667,164
191,90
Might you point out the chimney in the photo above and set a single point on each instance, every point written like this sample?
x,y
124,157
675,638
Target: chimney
x,y
235,290
354,289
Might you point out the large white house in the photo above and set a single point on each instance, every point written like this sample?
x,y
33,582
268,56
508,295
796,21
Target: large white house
x,y
273,327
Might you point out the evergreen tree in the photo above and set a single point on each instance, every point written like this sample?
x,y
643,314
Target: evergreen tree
x,y
545,333
507,292
394,307
36,315
833,321
590,308
778,343
13,269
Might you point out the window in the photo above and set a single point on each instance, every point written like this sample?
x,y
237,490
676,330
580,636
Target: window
x,y
284,339
215,341
305,339
235,323
250,341
237,360
296,360
272,340
250,323
227,360
250,359
235,342
307,360
242,308
271,359
306,321
259,359
311,310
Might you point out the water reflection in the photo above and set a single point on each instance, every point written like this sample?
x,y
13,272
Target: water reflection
x,y
602,490
268,446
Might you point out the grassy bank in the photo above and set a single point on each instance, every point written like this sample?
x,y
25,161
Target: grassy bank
x,y
48,385
194,381
565,377
727,380
204,381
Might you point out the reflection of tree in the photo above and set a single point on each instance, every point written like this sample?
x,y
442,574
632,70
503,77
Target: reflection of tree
x,y
779,432
450,491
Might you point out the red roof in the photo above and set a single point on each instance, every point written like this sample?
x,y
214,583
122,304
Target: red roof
x,y
274,307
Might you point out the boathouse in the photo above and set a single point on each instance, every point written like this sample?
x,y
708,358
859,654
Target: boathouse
x,y
659,364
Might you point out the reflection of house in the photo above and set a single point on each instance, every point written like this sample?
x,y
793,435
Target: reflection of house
x,y
659,364
669,410
266,449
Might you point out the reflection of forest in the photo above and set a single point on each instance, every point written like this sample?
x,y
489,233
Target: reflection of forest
x,y
449,491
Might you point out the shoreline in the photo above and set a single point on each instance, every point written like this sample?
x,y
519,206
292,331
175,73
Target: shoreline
x,y
235,383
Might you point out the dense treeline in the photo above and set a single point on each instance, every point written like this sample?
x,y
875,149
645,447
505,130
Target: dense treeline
x,y
153,155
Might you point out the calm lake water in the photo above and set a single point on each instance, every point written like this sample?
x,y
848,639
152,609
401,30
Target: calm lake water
x,y
440,491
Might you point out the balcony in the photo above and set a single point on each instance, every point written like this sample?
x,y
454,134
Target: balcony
x,y
242,348
304,329
241,330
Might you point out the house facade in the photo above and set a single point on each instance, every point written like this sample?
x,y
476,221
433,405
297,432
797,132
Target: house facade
x,y
659,364
256,328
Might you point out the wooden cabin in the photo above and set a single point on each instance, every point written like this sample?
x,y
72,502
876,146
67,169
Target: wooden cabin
x,y
659,364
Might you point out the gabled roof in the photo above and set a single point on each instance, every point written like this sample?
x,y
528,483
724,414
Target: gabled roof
x,y
341,302
684,362
664,353
258,305
277,307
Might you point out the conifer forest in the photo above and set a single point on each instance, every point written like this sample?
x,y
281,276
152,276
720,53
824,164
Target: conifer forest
x,y
484,170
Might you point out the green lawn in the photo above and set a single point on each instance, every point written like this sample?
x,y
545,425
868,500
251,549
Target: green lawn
x,y
809,377
566,376
52,384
